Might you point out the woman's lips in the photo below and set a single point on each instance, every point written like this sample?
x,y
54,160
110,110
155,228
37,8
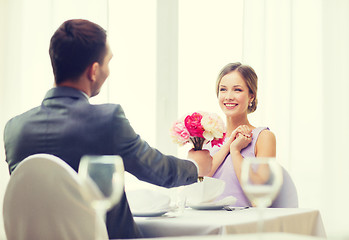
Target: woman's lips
x,y
230,105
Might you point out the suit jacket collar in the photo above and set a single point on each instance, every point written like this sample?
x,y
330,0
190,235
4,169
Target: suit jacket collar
x,y
66,92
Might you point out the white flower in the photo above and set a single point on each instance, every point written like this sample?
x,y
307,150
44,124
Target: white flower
x,y
213,125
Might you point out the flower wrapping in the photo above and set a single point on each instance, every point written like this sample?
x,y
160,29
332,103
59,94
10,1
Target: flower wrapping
x,y
199,128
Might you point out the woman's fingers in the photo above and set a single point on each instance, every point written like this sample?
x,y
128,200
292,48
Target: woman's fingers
x,y
240,142
244,130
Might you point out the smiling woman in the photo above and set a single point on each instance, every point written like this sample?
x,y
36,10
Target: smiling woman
x,y
236,90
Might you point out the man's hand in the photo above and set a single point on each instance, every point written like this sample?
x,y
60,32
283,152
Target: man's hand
x,y
203,159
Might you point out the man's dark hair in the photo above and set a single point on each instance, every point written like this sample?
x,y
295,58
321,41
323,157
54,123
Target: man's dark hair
x,y
74,46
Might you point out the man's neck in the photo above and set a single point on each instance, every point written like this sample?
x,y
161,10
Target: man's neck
x,y
75,85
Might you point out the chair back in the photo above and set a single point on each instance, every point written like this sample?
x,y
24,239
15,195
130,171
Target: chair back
x,y
287,197
45,199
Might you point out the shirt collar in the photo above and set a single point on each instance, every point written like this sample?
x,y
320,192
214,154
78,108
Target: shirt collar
x,y
66,92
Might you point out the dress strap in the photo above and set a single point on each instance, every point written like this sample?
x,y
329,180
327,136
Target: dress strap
x,y
250,149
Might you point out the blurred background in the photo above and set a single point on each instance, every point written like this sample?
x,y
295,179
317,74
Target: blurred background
x,y
167,55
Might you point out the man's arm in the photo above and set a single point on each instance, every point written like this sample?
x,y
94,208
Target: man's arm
x,y
147,163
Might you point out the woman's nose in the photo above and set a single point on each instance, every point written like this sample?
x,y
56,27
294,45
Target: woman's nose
x,y
229,95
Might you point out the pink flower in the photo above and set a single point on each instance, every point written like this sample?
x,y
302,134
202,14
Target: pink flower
x,y
179,133
193,124
218,141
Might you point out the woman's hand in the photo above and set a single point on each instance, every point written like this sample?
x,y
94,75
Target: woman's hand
x,y
238,140
243,135
241,141
242,129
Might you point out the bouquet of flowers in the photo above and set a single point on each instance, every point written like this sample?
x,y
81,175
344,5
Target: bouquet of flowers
x,y
198,128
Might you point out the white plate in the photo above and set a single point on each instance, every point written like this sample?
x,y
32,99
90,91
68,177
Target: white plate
x,y
207,207
150,214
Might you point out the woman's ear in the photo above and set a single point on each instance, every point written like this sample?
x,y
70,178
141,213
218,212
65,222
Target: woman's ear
x,y
92,72
251,98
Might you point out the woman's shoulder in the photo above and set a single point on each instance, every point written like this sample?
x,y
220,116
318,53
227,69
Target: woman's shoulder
x,y
267,134
264,133
266,143
256,131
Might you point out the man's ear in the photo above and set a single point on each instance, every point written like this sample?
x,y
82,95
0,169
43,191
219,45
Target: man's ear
x,y
92,71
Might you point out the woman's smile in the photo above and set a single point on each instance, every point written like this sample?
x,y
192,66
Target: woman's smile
x,y
230,106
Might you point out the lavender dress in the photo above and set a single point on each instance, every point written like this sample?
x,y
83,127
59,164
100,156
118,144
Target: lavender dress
x,y
287,196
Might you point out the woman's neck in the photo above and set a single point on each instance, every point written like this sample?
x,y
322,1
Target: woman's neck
x,y
233,123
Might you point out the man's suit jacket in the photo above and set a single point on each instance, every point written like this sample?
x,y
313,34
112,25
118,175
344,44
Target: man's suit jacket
x,y
68,126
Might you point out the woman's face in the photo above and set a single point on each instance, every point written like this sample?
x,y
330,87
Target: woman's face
x,y
233,95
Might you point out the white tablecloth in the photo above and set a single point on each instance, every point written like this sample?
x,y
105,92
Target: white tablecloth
x,y
253,236
221,222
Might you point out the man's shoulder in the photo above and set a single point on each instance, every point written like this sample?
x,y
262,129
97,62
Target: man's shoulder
x,y
24,115
107,108
16,123
108,112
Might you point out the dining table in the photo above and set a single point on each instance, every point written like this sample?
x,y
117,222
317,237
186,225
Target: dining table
x,y
248,236
230,220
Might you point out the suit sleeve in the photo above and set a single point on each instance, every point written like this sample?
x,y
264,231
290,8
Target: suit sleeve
x,y
147,163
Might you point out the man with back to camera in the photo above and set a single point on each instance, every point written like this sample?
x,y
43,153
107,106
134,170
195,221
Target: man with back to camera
x,y
68,126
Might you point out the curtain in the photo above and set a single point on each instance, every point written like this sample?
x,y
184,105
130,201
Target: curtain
x,y
300,50
335,115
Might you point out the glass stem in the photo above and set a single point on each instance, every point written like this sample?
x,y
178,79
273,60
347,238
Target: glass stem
x,y
260,223
100,215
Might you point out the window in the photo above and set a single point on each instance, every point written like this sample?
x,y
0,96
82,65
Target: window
x,y
208,35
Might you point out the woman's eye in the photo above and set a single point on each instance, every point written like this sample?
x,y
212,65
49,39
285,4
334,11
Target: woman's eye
x,y
222,89
238,90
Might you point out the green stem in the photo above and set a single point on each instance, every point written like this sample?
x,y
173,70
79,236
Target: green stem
x,y
197,142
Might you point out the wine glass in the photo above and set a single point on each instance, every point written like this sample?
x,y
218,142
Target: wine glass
x,y
261,180
103,176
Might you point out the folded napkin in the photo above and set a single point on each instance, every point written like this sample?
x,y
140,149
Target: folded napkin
x,y
147,201
203,192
